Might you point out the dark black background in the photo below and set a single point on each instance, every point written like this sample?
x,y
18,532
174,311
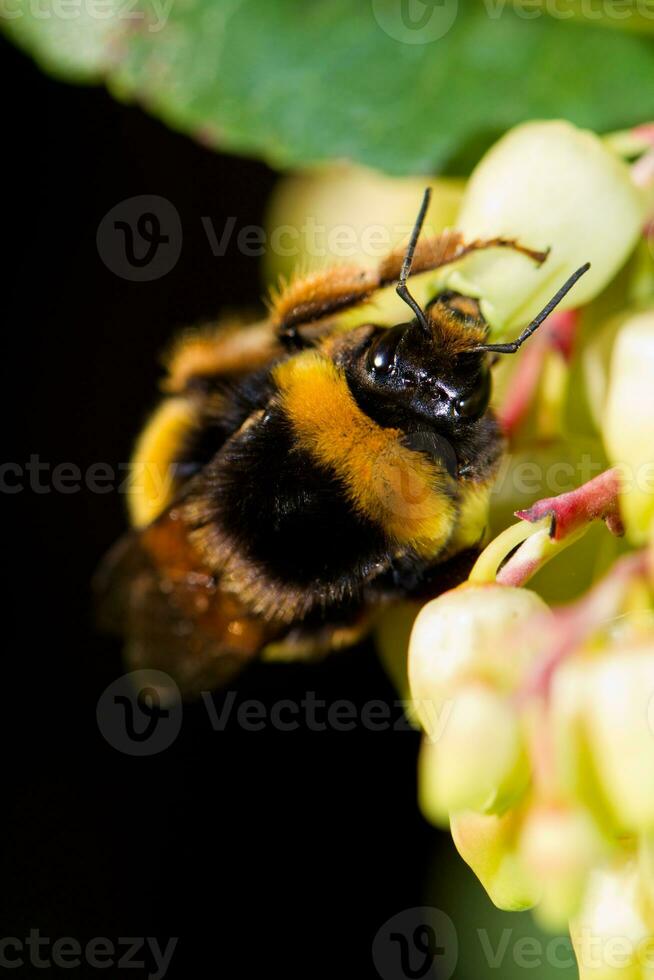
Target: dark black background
x,y
262,852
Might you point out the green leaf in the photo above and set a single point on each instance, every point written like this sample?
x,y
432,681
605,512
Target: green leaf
x,y
75,41
296,82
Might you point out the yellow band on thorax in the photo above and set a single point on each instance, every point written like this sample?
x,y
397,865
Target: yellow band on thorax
x,y
399,489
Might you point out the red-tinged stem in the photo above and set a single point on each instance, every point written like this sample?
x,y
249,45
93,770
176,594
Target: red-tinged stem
x,y
558,334
542,754
595,500
528,559
562,331
574,623
558,522
523,387
521,550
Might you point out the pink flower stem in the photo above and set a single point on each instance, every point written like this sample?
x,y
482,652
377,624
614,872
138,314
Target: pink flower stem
x,y
562,521
558,334
595,500
576,622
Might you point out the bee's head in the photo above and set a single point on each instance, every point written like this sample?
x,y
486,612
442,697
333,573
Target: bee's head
x,y
436,366
435,374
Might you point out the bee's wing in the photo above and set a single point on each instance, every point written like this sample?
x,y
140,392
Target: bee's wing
x,y
219,352
153,589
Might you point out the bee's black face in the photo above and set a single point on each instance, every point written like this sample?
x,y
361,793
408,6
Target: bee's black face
x,y
403,367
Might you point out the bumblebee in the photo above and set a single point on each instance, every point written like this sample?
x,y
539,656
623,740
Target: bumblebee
x,y
298,476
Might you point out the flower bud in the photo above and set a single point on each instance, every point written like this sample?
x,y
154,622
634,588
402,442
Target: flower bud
x,y
611,938
550,185
595,363
559,846
620,725
629,426
478,760
429,796
487,843
603,725
573,760
462,636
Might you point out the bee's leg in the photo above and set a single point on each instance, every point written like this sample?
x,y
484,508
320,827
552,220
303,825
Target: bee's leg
x,y
327,292
432,253
318,295
310,641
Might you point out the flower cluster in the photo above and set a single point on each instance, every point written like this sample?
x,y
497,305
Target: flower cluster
x,y
539,741
538,717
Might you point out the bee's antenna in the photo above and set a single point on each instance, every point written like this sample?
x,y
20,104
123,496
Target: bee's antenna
x,y
402,288
515,345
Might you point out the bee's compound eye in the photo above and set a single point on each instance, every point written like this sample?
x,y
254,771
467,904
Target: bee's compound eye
x,y
475,403
380,359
